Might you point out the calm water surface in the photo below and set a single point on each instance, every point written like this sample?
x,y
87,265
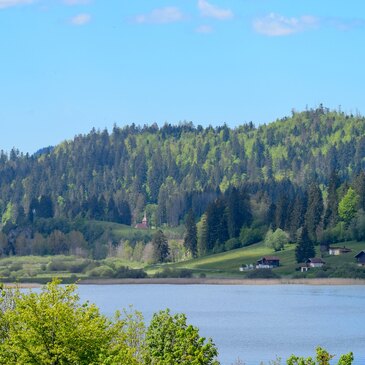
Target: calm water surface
x,y
253,323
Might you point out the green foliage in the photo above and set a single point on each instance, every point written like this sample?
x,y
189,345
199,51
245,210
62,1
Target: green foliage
x,y
348,205
262,274
251,235
191,239
9,214
305,247
174,273
170,340
322,358
160,247
52,327
276,240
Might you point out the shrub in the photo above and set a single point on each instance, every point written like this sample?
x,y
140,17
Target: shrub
x,y
174,273
249,236
262,274
57,265
102,272
231,244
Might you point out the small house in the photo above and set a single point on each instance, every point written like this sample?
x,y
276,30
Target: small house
x,y
315,262
268,262
360,258
336,251
143,224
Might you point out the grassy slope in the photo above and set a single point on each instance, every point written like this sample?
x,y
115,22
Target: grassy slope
x,y
228,263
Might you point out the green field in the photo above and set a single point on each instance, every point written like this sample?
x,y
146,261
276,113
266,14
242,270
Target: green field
x,y
228,263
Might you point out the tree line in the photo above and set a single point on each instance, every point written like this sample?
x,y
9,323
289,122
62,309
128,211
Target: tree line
x,y
302,170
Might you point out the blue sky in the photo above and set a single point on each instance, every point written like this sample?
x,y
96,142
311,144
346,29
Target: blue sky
x,y
70,65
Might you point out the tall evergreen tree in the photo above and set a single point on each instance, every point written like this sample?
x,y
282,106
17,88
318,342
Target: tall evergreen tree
x,y
191,239
305,246
217,228
331,214
314,212
160,247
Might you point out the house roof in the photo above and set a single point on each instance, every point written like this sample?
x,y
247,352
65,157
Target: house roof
x,y
360,254
340,248
270,258
315,260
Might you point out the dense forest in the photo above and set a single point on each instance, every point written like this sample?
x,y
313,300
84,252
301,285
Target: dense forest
x,y
302,174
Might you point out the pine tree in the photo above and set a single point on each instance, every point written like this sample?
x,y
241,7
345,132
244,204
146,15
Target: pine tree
x,y
331,215
305,247
190,239
314,210
160,247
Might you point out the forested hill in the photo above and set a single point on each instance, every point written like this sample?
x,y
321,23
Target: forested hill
x,y
166,171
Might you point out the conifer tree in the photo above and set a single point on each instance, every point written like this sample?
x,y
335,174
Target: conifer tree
x,y
160,247
190,239
305,247
314,210
331,214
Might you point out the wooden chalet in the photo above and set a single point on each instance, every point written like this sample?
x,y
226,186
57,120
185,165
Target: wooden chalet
x,y
360,258
336,251
315,262
268,262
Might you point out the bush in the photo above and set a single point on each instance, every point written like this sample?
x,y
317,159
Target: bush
x,y
126,272
57,265
232,244
249,236
174,273
102,272
262,274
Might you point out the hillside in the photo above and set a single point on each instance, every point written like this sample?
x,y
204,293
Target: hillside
x,y
302,175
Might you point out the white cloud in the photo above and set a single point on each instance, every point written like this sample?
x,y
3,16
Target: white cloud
x,y
80,19
76,2
160,16
206,29
275,25
212,11
9,3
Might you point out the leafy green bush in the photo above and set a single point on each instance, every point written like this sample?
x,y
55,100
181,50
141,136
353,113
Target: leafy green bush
x,y
262,274
232,244
126,272
174,273
102,272
249,236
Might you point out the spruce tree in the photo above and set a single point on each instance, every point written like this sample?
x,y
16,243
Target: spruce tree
x,y
160,247
305,247
314,210
331,214
190,239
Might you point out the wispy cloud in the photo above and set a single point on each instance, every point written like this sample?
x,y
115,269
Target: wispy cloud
x,y
275,25
206,29
169,14
9,3
76,2
80,19
213,11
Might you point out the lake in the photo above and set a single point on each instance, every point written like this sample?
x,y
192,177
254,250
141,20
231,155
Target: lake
x,y
253,323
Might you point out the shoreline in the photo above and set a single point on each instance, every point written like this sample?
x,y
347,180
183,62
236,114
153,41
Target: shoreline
x,y
223,281
202,281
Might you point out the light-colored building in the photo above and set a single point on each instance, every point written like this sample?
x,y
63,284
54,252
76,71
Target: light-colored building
x,y
315,262
336,251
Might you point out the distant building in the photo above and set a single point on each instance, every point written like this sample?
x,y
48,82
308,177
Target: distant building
x,y
268,262
143,224
315,262
336,251
360,258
